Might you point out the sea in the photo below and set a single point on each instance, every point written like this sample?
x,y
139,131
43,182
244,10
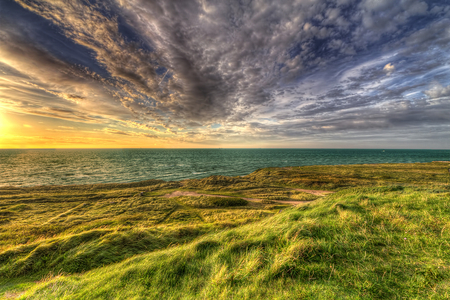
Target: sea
x,y
88,166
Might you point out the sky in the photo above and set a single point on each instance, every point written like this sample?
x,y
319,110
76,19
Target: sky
x,y
227,74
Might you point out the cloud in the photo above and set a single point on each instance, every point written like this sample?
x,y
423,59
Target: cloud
x,y
128,133
438,91
389,69
171,69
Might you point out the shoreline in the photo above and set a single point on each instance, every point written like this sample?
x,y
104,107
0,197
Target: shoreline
x,y
151,181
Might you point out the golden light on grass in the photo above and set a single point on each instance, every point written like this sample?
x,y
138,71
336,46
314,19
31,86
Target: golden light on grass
x,y
391,220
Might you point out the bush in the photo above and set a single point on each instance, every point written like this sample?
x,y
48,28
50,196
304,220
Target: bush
x,y
210,202
226,202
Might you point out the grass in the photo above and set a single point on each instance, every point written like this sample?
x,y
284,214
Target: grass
x,y
210,202
384,234
75,229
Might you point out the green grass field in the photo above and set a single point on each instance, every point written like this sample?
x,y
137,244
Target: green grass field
x,y
383,234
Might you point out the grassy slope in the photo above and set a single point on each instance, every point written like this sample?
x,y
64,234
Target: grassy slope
x,y
73,230
388,237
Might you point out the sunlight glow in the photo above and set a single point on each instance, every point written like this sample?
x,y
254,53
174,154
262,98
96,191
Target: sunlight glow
x,y
2,124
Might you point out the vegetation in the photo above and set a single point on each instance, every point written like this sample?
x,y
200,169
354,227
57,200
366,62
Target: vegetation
x,y
75,229
384,234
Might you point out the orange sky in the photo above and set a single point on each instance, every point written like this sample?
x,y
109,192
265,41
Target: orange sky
x,y
28,131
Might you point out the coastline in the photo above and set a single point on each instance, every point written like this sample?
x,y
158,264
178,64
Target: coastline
x,y
145,182
33,168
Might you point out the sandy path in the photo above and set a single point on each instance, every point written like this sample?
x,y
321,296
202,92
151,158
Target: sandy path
x,y
182,193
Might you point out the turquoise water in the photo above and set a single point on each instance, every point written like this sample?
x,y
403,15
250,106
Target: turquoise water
x,y
53,167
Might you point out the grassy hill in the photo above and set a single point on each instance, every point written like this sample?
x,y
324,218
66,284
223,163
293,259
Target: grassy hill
x,y
384,233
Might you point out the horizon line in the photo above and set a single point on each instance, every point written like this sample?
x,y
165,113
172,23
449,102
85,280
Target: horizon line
x,y
225,148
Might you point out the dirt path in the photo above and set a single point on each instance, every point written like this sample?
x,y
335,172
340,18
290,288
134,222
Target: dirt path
x,y
182,193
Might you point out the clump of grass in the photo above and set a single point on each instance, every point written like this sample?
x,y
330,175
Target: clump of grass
x,y
268,193
6,213
301,196
215,182
227,202
20,207
210,201
236,216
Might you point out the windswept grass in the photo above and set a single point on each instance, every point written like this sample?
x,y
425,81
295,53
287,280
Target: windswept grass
x,y
359,244
384,234
210,202
72,230
302,196
345,176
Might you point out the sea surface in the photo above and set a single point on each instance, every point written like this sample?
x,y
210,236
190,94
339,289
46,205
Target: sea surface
x,y
55,167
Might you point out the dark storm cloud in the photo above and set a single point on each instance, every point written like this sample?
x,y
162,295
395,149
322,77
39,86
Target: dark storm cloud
x,y
258,68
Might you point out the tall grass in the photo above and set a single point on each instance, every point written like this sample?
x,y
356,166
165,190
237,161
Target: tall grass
x,y
383,234
368,243
73,230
